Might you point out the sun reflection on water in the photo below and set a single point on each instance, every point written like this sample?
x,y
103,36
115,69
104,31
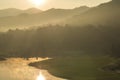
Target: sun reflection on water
x,y
21,71
41,76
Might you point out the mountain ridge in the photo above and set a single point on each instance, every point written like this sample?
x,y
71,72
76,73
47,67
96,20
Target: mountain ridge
x,y
104,14
44,17
15,12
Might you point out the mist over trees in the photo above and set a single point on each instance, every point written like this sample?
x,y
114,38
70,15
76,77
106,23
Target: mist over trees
x,y
48,40
76,44
94,30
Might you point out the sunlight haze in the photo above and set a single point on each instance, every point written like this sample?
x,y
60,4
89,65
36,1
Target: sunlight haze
x,y
24,4
59,39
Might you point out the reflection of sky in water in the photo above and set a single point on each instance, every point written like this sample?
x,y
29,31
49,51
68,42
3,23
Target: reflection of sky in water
x,y
17,69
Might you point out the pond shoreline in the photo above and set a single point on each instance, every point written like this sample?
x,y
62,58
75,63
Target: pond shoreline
x,y
2,59
21,69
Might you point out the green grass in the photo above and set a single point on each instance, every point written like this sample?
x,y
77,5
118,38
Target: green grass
x,y
79,67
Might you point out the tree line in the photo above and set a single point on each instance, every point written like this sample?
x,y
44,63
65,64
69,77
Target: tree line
x,y
46,41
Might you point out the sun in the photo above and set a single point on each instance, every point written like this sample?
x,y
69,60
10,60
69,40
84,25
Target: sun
x,y
37,3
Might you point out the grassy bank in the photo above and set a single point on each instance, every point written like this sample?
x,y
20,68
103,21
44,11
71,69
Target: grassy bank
x,y
79,67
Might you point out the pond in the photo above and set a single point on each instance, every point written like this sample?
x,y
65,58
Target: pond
x,y
18,69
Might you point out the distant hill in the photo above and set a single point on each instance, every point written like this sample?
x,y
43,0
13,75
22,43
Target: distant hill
x,y
10,12
15,12
32,11
104,14
45,17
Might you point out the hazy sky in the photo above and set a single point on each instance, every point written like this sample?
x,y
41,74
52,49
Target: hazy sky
x,y
24,4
